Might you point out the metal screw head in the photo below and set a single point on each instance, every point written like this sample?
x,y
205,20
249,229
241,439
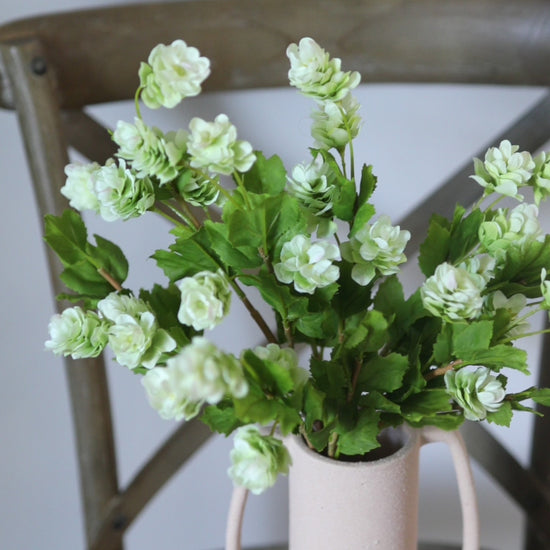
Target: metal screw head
x,y
39,66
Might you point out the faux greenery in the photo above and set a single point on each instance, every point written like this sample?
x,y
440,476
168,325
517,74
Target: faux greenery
x,y
311,243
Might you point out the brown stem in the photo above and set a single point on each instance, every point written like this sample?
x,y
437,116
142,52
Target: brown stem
x,y
355,379
108,277
442,370
255,314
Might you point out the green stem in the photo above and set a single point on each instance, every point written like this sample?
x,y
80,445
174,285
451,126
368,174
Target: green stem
x,y
526,335
136,102
240,184
110,279
333,445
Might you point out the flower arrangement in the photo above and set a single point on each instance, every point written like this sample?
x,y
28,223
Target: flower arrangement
x,y
312,245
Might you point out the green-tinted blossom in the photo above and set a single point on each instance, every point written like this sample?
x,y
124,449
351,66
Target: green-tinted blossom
x,y
308,265
172,73
286,358
77,333
477,392
504,170
79,186
208,374
257,460
377,247
335,124
518,230
514,305
214,146
541,177
121,194
163,386
197,189
316,75
480,267
452,293
313,185
149,151
134,335
205,299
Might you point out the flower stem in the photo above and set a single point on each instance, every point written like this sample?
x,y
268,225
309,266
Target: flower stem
x,y
442,370
110,279
255,314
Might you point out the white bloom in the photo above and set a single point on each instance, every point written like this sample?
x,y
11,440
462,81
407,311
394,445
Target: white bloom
x,y
77,333
517,230
377,247
149,150
208,375
504,169
541,177
197,189
205,299
312,185
452,293
257,460
335,124
481,267
308,265
164,389
316,75
172,73
79,186
121,194
477,392
134,336
214,146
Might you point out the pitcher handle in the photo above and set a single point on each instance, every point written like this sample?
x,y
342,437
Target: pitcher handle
x,y
235,518
465,480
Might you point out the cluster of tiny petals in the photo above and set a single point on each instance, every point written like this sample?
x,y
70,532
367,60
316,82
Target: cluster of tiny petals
x,y
257,459
514,305
477,391
134,334
504,170
149,151
173,72
452,293
541,177
79,186
312,185
377,247
197,189
316,75
286,358
121,193
164,390
208,374
515,229
308,265
77,333
205,299
336,124
214,146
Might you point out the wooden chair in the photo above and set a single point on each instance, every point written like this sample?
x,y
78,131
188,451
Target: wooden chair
x,y
49,73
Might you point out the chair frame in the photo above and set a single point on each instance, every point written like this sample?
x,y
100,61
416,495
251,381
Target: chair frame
x,y
49,74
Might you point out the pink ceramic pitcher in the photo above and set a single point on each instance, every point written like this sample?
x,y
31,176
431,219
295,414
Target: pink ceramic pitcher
x,y
371,505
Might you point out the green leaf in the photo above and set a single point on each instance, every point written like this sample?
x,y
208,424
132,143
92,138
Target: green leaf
x,y
83,278
541,396
428,402
383,373
464,233
343,202
221,418
319,325
363,437
443,350
111,258
274,379
470,338
67,236
266,175
435,249
331,377
367,185
369,334
375,400
362,217
498,357
233,256
502,416
187,256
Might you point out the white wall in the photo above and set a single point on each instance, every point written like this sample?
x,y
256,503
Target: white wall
x,y
414,136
